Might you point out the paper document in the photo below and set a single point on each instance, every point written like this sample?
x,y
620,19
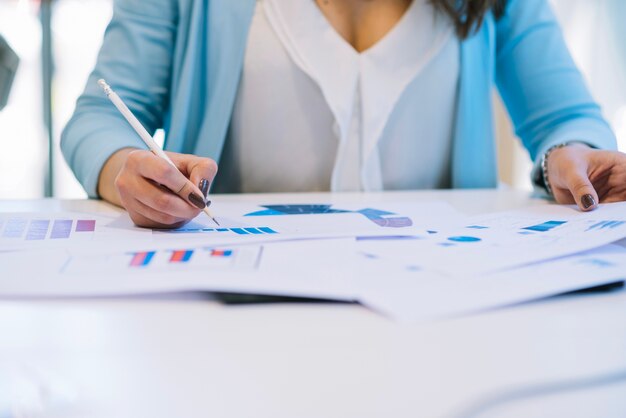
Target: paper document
x,y
314,268
408,260
318,220
503,240
420,294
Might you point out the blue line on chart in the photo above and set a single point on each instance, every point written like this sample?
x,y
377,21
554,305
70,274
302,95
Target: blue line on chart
x,y
606,224
597,263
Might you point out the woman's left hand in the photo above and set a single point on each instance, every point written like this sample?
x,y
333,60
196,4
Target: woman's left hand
x,y
586,176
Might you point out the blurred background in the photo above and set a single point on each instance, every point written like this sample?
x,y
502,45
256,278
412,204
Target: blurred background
x,y
57,41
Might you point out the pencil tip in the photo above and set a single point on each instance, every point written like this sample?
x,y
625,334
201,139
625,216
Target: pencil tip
x,y
217,223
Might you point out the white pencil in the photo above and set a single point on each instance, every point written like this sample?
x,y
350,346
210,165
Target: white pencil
x,y
141,131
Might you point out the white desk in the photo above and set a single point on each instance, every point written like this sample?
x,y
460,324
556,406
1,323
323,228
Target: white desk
x,y
193,357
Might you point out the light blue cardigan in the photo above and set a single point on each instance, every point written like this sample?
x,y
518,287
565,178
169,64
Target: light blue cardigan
x,y
177,64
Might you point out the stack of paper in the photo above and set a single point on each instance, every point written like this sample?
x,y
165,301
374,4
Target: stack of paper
x,y
409,261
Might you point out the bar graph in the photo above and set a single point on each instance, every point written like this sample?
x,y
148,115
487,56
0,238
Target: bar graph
x,y
222,253
261,230
142,259
181,256
173,260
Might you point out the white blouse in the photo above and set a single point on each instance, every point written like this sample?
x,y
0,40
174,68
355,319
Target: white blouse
x,y
313,114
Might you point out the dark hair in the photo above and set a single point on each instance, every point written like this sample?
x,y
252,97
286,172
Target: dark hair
x,y
468,15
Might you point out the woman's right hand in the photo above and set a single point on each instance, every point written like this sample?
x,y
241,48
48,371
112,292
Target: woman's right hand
x,y
154,193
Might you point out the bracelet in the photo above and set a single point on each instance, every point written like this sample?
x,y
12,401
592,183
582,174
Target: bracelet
x,y
544,166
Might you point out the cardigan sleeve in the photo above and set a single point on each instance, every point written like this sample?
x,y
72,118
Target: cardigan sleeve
x,y
542,88
136,60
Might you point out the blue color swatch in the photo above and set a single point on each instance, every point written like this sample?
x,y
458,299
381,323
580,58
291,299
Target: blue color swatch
x,y
545,227
464,239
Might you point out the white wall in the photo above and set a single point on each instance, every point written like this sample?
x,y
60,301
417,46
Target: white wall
x,y
78,26
22,136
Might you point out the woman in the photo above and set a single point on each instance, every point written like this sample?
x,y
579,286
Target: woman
x,y
302,95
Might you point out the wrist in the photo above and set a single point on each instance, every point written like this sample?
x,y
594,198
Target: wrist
x,y
542,178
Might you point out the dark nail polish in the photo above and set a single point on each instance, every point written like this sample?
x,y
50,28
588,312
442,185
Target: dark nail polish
x,y
588,201
197,200
204,187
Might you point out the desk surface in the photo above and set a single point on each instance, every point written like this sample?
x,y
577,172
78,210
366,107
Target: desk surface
x,y
190,356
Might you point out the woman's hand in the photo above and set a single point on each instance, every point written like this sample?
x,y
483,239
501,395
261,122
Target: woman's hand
x,y
154,193
586,176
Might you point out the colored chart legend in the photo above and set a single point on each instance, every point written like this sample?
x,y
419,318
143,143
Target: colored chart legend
x,y
14,228
61,229
86,225
37,230
42,229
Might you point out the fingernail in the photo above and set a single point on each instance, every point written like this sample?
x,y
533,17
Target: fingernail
x,y
588,201
204,187
197,200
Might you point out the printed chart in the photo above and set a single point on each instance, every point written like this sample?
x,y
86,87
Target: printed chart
x,y
502,241
167,260
381,218
190,229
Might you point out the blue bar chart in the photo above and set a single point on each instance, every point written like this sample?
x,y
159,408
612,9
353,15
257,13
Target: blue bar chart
x,y
263,230
168,260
